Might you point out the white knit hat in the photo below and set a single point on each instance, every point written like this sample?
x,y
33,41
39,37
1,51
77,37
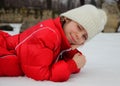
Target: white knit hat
x,y
88,16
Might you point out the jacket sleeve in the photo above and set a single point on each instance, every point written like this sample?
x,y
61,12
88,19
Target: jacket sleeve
x,y
62,70
38,61
42,67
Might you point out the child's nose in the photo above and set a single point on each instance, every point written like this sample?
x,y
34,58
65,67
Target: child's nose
x,y
77,36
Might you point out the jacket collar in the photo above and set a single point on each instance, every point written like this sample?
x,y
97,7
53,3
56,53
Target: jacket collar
x,y
64,42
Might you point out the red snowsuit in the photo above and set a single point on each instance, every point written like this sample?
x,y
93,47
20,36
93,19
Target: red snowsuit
x,y
35,53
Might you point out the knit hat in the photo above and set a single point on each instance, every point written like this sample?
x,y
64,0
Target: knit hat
x,y
89,17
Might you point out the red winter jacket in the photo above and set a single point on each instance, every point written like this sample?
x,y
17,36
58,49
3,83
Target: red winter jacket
x,y
35,53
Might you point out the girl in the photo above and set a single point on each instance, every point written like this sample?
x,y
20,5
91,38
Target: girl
x,y
47,51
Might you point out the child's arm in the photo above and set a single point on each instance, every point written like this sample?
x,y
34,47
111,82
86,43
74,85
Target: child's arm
x,y
74,57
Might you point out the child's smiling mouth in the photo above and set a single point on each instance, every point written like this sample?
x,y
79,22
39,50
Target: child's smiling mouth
x,y
72,39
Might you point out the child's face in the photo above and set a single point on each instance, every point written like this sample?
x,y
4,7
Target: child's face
x,y
75,33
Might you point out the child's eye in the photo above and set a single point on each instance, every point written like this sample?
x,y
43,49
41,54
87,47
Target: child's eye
x,y
79,27
85,37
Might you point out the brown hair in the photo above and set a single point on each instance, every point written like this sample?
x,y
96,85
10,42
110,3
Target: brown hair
x,y
63,20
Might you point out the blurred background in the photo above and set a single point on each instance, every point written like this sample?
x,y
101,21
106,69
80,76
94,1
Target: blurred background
x,y
29,12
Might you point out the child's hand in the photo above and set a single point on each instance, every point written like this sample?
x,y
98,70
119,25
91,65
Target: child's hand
x,y
79,60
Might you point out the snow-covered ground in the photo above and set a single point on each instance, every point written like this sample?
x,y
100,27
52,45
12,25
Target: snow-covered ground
x,y
119,29
16,28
